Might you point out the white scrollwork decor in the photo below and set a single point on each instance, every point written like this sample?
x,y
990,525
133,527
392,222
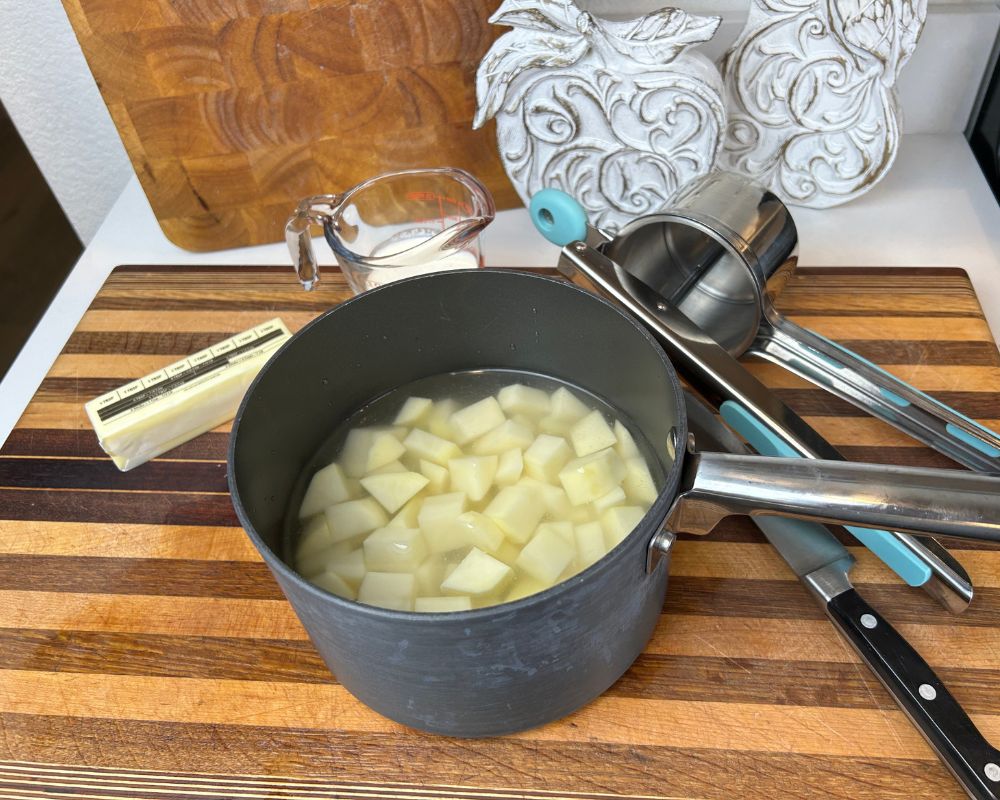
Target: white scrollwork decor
x,y
810,94
616,114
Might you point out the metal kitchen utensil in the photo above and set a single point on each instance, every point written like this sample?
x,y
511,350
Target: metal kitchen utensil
x,y
512,666
726,383
394,226
822,563
722,253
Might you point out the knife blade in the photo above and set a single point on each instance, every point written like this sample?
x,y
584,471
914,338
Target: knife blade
x,y
822,563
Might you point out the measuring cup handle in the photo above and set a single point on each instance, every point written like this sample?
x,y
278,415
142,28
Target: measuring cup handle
x,y
311,211
558,217
871,388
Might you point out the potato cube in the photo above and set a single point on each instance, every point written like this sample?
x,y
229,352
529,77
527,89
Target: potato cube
x,y
479,530
349,566
555,426
437,605
407,515
517,510
314,537
366,449
638,482
477,574
334,584
429,576
473,475
438,420
590,545
592,476
437,519
509,468
395,590
626,447
474,420
328,486
353,518
592,433
392,466
556,503
508,436
436,475
546,555
562,528
395,550
520,399
615,497
508,552
394,489
567,406
619,522
413,411
546,456
433,448
525,586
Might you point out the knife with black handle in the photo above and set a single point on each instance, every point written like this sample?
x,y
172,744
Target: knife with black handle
x,y
822,563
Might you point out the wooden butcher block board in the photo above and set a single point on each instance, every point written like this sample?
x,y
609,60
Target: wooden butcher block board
x,y
146,652
232,111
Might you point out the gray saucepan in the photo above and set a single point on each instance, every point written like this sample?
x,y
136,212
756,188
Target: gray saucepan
x,y
517,665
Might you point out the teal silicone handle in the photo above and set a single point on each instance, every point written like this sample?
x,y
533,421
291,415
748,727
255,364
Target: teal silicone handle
x,y
558,217
883,544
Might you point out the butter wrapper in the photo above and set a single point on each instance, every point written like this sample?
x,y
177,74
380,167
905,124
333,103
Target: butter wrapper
x,y
149,416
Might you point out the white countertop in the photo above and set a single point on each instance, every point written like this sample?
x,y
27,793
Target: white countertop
x,y
934,209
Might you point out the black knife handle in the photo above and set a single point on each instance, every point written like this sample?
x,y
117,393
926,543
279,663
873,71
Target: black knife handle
x,y
920,693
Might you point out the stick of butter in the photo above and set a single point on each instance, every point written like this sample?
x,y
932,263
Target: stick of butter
x,y
147,417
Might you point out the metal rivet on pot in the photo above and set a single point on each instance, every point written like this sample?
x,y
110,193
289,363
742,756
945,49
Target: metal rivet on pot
x,y
927,691
992,772
868,621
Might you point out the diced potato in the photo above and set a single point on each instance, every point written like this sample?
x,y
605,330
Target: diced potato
x,y
395,550
353,518
479,530
473,475
334,584
590,545
546,555
399,431
328,486
407,516
477,574
517,510
433,448
555,426
619,522
314,537
557,505
392,466
520,399
592,433
474,420
562,528
367,449
509,468
438,420
395,590
437,519
590,477
638,482
626,447
442,604
567,406
350,566
546,456
508,552
413,411
429,576
394,489
615,497
436,475
508,436
525,586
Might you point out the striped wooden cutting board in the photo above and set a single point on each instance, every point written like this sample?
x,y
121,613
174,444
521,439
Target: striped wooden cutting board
x,y
145,651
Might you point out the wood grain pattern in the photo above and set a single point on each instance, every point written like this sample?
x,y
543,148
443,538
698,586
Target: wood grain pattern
x,y
145,651
232,111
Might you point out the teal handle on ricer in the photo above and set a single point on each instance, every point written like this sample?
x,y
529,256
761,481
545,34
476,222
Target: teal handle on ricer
x,y
558,217
882,543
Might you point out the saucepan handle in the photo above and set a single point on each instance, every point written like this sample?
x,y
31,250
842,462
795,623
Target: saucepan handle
x,y
942,502
859,381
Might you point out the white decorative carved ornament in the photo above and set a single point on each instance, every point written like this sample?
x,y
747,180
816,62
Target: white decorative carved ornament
x,y
616,114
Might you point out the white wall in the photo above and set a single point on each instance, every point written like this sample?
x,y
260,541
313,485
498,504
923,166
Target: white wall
x,y
48,91
52,98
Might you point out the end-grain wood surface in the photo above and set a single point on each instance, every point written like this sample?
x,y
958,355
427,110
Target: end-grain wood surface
x,y
231,111
146,652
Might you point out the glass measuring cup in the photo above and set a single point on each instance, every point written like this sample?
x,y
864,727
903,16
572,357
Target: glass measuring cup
x,y
394,226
